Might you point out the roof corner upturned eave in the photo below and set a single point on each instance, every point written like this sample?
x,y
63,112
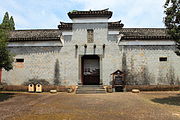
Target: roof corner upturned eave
x,y
65,26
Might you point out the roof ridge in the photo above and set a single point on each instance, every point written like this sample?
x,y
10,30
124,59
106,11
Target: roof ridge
x,y
143,28
36,30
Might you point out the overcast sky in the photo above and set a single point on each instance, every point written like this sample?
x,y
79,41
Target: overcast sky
x,y
42,14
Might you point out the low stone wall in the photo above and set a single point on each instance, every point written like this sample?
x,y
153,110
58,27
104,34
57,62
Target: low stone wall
x,y
15,88
64,88
25,88
153,87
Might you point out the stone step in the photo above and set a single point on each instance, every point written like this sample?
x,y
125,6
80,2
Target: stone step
x,y
91,86
90,89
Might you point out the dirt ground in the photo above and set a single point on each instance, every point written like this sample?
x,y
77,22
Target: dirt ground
x,y
110,106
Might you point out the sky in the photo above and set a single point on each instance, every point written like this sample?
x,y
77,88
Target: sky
x,y
46,14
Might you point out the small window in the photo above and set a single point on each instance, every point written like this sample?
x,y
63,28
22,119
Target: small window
x,y
161,59
19,60
90,35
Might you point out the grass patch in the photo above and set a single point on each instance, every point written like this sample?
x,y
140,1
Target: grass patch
x,y
5,96
170,100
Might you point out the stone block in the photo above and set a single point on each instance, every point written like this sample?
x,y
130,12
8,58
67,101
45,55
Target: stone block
x,y
135,91
53,91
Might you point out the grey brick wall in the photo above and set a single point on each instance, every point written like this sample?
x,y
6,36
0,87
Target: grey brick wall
x,y
143,63
140,58
39,62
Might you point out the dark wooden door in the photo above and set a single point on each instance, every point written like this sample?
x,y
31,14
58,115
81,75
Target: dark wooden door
x,y
91,70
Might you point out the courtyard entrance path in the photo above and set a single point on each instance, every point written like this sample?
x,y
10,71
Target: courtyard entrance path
x,y
110,106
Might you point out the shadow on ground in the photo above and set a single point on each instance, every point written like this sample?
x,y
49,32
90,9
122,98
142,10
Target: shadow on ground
x,y
171,100
5,96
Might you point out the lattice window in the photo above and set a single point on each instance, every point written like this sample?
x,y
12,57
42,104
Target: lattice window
x,y
90,35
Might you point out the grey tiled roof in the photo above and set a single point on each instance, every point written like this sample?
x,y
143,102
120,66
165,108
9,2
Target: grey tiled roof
x,y
111,25
53,34
115,25
36,34
90,13
144,34
144,31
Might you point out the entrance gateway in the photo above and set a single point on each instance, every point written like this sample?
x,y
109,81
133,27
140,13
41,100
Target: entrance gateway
x,y
90,70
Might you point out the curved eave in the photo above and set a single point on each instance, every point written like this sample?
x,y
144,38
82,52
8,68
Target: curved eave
x,y
147,38
115,26
65,26
84,14
34,39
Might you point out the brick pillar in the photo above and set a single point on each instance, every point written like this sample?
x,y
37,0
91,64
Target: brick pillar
x,y
0,74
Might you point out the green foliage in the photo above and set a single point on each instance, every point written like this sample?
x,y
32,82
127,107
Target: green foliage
x,y
6,58
172,20
8,23
12,24
5,22
74,11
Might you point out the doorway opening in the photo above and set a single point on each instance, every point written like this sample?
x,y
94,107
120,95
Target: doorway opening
x,y
90,70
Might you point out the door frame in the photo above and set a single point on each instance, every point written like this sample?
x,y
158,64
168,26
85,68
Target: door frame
x,y
80,81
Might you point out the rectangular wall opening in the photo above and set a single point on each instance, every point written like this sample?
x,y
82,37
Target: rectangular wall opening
x,y
161,59
90,70
19,60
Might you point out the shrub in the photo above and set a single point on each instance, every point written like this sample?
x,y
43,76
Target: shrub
x,y
2,85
